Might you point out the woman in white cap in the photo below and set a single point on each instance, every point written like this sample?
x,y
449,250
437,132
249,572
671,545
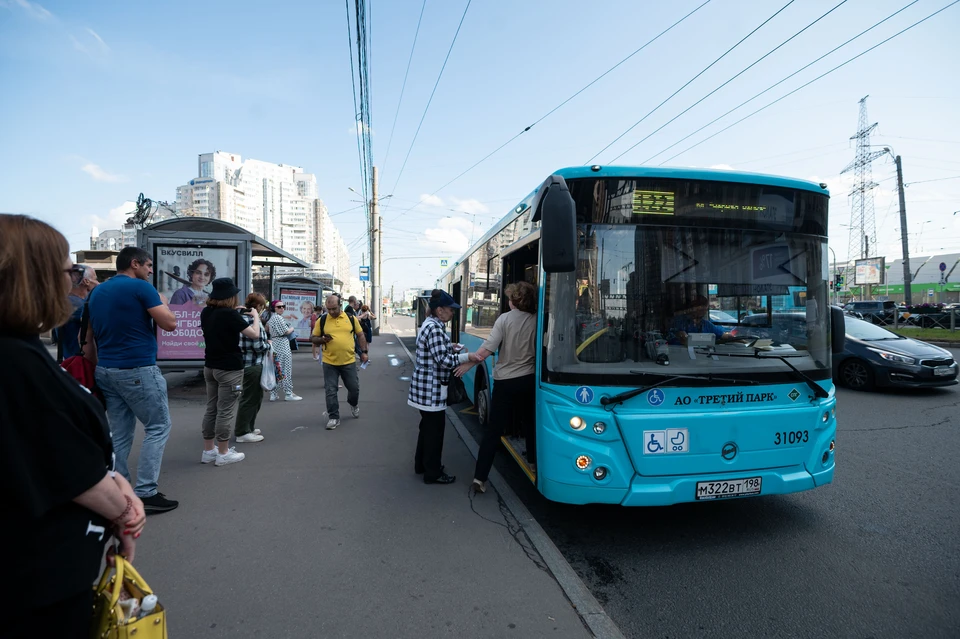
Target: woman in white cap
x,y
436,359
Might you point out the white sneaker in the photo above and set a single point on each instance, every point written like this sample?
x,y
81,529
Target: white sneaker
x,y
209,456
232,457
333,423
256,431
249,438
292,398
355,411
273,397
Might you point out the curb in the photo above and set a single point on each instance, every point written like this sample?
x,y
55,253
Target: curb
x,y
591,612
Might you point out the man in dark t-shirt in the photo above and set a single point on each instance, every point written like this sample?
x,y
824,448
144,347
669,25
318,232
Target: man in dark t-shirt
x,y
123,345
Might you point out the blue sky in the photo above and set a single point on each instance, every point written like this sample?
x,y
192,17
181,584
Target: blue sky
x,y
104,100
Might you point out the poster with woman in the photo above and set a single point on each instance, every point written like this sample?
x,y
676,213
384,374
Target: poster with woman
x,y
184,274
300,306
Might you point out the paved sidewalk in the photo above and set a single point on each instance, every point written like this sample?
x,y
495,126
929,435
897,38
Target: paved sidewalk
x,y
330,534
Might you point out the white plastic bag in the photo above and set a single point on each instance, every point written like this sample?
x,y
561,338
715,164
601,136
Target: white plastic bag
x,y
268,376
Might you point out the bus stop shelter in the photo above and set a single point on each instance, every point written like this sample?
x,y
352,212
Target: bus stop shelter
x,y
188,254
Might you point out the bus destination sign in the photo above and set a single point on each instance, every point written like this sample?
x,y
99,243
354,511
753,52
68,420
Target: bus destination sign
x,y
653,202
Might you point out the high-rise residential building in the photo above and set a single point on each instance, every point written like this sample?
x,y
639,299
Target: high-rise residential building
x,y
113,239
278,202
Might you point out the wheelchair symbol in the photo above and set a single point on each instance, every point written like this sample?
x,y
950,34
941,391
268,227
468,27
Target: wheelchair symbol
x,y
655,397
654,446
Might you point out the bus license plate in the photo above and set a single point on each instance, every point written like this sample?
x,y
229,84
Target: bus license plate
x,y
728,488
943,371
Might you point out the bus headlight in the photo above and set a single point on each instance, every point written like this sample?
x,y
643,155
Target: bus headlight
x,y
826,416
577,423
599,428
583,462
600,473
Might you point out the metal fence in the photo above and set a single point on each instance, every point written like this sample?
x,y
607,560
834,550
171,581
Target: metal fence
x,y
947,319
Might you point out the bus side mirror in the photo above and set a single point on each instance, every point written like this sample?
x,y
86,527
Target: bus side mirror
x,y
558,227
838,330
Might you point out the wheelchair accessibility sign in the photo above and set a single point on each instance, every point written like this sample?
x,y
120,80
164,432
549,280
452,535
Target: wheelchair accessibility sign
x,y
656,397
662,442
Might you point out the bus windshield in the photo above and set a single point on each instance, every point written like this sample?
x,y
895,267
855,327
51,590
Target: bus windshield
x,y
653,301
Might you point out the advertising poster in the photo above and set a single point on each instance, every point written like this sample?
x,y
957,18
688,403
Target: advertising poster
x,y
184,275
300,305
870,271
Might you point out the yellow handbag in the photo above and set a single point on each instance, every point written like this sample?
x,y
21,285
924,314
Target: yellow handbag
x,y
109,615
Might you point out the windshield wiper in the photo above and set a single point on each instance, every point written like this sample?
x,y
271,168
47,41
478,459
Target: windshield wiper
x,y
817,389
624,396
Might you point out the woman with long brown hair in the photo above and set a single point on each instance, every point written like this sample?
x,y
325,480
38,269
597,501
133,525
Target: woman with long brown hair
x,y
514,334
63,500
222,326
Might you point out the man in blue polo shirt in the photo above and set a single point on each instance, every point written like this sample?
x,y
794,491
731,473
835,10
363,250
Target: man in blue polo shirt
x,y
694,320
124,348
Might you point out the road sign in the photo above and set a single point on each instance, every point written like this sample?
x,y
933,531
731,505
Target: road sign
x,y
364,273
444,263
943,266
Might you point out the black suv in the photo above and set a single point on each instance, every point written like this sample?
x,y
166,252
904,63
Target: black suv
x,y
876,312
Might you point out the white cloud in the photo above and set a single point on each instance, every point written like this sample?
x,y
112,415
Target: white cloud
x,y
469,206
452,234
98,174
32,9
431,200
98,39
115,217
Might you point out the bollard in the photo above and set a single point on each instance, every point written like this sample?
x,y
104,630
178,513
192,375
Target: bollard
x,y
953,319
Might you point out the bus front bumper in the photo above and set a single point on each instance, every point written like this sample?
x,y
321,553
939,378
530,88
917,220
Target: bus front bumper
x,y
666,491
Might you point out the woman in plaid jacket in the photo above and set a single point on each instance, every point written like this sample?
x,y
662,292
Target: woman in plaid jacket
x,y
436,359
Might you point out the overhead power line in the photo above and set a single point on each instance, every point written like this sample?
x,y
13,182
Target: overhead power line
x,y
435,85
356,105
557,108
822,75
691,80
773,86
403,87
954,177
742,71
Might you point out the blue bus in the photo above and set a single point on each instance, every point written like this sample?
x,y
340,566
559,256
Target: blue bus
x,y
630,409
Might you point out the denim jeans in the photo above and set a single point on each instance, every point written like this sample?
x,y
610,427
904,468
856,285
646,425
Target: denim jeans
x,y
132,394
331,378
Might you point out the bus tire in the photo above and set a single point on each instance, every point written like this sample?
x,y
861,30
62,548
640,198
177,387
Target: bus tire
x,y
481,399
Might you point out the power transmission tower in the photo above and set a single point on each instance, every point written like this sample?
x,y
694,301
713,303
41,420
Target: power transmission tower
x,y
863,220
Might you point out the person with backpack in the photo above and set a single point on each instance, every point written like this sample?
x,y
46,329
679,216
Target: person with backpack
x,y
335,332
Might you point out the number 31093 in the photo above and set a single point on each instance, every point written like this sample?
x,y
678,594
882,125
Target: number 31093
x,y
791,437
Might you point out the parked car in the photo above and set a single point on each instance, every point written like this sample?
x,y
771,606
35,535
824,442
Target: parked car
x,y
875,357
873,311
721,317
782,328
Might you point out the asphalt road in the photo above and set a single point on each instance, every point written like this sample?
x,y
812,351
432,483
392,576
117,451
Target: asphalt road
x,y
876,554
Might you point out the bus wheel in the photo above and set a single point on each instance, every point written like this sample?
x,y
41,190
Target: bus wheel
x,y
482,401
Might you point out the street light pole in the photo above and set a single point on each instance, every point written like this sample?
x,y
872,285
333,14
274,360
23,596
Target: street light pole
x,y
376,255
